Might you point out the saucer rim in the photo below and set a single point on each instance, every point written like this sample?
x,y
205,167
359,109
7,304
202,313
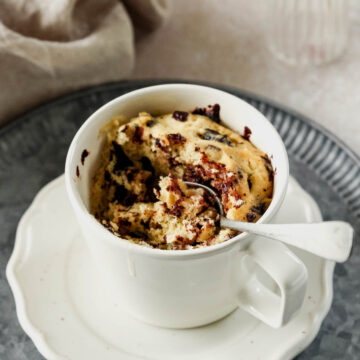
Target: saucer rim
x,y
39,338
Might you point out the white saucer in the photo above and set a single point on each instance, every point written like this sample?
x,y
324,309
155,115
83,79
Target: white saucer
x,y
62,306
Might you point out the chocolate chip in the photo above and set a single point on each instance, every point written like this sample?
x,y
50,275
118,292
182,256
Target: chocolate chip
x,y
151,184
268,167
174,186
250,217
210,200
173,162
180,115
137,235
124,129
122,161
230,236
212,132
107,176
212,147
129,199
123,222
77,172
84,155
214,135
130,174
247,133
120,193
157,226
176,138
162,147
180,243
267,160
199,111
259,208
146,164
212,112
249,182
138,135
150,123
123,196
145,224
193,174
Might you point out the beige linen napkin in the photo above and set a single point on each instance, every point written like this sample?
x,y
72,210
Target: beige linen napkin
x,y
50,47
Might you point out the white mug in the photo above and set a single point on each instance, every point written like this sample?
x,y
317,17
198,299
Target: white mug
x,y
188,288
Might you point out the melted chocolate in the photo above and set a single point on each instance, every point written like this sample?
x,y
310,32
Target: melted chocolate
x,y
84,155
247,133
138,135
122,161
249,183
215,136
146,164
250,217
150,123
180,115
259,208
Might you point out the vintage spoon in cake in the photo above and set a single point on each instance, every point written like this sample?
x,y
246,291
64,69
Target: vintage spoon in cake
x,y
329,239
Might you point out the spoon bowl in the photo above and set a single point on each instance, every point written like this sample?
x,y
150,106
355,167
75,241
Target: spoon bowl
x,y
331,240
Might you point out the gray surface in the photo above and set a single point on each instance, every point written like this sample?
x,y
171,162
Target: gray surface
x,y
32,152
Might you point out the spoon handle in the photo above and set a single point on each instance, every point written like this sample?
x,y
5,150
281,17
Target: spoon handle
x,y
330,239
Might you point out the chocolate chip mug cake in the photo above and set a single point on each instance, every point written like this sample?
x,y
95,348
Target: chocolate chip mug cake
x,y
138,191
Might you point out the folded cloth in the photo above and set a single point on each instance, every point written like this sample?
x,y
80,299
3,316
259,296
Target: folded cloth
x,y
48,48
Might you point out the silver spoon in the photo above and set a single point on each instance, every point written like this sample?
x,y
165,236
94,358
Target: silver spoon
x,y
329,239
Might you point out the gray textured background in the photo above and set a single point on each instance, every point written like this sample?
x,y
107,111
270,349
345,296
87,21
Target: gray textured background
x,y
32,152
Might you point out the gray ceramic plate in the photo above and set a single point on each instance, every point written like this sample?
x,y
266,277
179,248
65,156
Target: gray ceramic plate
x,y
33,149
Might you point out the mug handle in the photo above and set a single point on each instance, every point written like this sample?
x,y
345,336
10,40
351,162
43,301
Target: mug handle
x,y
287,271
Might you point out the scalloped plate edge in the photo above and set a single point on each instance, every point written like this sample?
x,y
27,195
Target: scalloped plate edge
x,y
39,338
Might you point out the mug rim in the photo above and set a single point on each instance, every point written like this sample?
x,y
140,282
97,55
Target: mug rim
x,y
80,208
